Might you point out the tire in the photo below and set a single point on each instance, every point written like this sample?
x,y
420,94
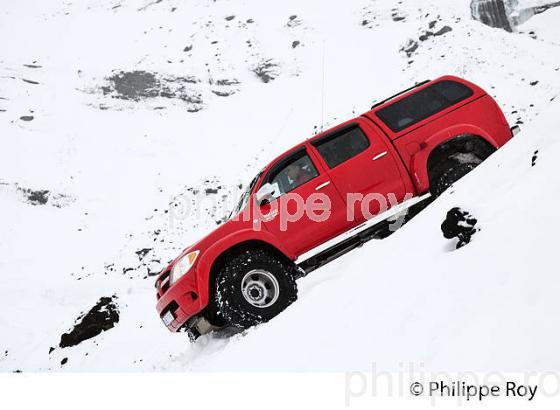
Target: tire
x,y
448,174
253,287
192,334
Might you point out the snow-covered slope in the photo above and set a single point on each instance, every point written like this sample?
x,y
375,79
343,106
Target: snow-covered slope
x,y
114,112
414,298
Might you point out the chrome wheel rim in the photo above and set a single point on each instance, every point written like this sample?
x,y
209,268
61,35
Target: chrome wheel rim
x,y
260,288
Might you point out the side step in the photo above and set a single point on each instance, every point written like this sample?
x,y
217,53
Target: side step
x,y
378,231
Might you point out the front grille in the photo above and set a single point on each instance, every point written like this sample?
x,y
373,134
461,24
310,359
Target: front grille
x,y
163,284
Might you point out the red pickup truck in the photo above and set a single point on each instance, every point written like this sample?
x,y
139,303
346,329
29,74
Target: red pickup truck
x,y
325,196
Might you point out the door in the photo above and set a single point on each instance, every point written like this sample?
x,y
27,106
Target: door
x,y
362,166
306,209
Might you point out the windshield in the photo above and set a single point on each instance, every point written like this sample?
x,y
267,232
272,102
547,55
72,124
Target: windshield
x,y
246,194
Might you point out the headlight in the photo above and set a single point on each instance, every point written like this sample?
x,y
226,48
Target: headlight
x,y
183,265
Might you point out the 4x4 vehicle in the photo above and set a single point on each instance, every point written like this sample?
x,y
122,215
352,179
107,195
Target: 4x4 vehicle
x,y
403,152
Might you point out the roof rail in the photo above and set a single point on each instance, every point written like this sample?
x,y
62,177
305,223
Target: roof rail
x,y
400,93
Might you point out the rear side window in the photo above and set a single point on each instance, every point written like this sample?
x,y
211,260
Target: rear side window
x,y
423,104
341,145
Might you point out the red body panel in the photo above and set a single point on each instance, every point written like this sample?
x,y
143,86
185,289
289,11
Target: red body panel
x,y
304,234
394,163
415,147
363,175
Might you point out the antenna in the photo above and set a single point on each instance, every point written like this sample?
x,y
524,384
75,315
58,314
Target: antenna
x,y
323,90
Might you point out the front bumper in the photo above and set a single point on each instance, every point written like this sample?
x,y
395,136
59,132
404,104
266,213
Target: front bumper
x,y
178,303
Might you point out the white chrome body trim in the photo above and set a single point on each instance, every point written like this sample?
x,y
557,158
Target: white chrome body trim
x,y
380,155
324,184
362,227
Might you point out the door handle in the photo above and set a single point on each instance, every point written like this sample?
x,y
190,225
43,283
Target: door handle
x,y
324,184
381,155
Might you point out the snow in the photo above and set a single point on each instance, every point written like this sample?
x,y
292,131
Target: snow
x,y
119,165
543,26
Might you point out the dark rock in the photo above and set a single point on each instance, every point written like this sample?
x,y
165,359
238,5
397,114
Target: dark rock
x,y
133,85
26,118
520,16
42,196
149,4
266,70
410,47
221,93
443,30
506,14
64,361
293,21
188,48
295,44
493,13
459,224
39,197
194,109
229,18
227,82
143,252
396,16
101,317
534,158
140,85
425,36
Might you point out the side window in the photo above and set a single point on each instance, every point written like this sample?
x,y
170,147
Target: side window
x,y
423,104
341,145
292,172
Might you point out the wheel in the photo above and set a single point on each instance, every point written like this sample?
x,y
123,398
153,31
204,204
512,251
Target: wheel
x,y
254,287
447,174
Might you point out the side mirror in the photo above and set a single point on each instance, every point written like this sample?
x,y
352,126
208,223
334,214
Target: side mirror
x,y
266,193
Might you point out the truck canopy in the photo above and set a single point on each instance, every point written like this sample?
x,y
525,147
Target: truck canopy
x,y
399,115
